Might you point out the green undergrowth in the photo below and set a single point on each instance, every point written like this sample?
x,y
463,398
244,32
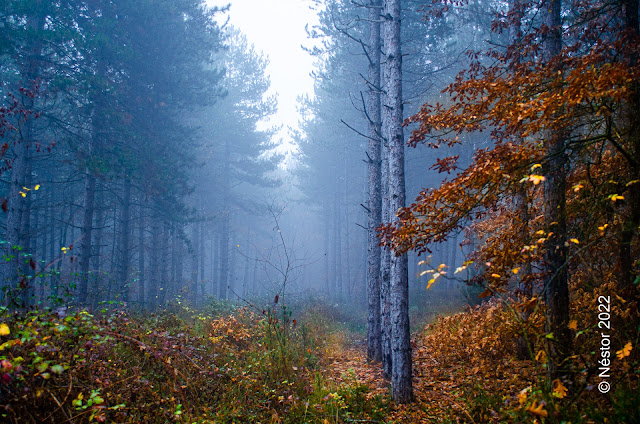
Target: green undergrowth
x,y
217,366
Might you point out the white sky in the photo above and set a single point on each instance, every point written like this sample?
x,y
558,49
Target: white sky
x,y
277,27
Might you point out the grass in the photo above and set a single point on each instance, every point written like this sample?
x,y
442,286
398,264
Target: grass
x,y
185,366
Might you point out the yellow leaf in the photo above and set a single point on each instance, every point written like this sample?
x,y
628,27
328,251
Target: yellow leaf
x,y
541,357
433,280
536,179
522,396
573,325
495,275
4,329
37,187
538,410
23,194
625,351
616,197
578,187
559,390
515,270
536,166
574,240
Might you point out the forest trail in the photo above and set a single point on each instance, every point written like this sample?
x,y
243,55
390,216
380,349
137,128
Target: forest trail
x,y
432,389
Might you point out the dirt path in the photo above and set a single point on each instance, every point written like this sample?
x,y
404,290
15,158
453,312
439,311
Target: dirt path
x,y
431,402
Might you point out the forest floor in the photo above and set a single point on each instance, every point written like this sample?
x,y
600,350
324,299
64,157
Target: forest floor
x,y
231,365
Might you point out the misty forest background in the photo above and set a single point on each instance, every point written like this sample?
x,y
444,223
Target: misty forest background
x,y
150,210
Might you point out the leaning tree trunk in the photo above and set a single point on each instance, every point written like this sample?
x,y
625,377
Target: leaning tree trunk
x,y
402,390
374,336
557,287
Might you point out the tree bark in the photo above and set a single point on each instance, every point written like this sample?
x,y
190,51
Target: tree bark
x,y
154,280
402,390
337,224
195,256
385,269
141,257
374,336
556,286
85,244
124,240
98,290
17,213
164,283
224,255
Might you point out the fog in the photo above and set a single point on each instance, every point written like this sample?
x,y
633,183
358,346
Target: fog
x,y
144,161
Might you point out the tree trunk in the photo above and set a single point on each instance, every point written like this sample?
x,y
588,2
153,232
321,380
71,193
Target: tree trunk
x,y
385,269
55,269
557,288
98,290
337,247
85,244
17,218
124,240
202,260
326,241
179,283
154,281
374,336
630,230
224,255
141,257
215,260
402,390
164,282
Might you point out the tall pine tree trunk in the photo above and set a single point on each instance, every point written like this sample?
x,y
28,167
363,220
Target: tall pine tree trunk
x,y
374,336
557,288
195,268
224,255
154,280
385,269
632,115
17,213
98,290
141,256
402,390
86,231
337,226
125,217
164,266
